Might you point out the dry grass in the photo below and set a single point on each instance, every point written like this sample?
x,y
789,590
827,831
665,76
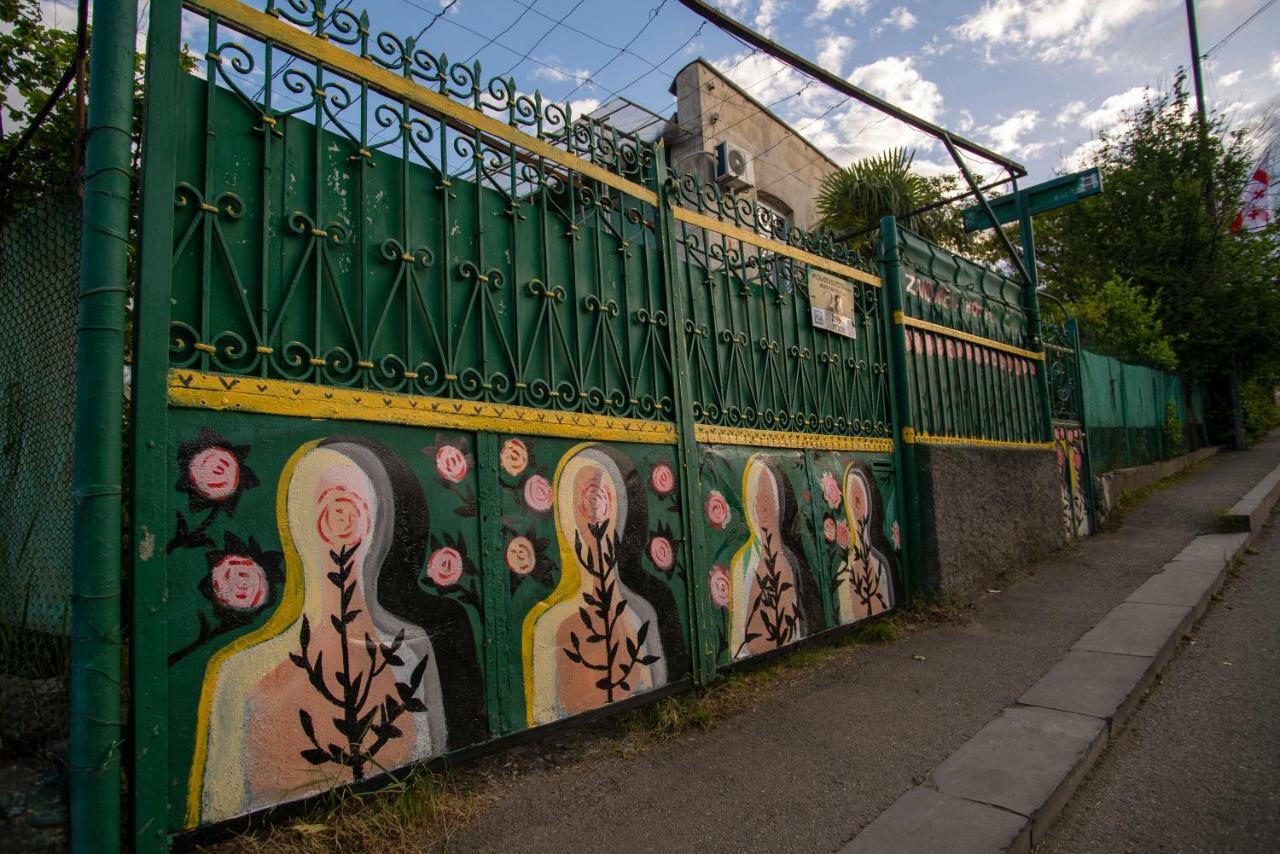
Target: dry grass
x,y
422,811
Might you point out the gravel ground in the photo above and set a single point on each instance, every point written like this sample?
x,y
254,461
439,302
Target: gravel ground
x,y
818,758
1198,767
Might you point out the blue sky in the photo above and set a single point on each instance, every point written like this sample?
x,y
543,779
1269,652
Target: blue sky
x,y
1034,79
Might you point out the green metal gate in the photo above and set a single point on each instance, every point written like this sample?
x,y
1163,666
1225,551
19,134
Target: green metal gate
x,y
1062,349
458,414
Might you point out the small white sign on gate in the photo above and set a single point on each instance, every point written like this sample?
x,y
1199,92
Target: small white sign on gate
x,y
831,301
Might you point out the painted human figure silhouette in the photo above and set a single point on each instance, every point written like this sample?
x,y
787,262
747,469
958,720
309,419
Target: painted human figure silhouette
x,y
765,611
332,688
592,641
866,585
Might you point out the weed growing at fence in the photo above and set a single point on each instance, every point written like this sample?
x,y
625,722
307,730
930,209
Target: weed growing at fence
x,y
419,812
1132,499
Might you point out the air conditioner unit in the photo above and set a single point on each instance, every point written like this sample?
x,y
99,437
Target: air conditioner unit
x,y
734,168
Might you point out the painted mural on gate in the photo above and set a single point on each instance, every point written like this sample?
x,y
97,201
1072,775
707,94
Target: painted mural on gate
x,y
342,621
1069,442
797,545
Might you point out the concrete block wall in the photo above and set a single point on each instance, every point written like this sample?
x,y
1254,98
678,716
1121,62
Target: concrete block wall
x,y
985,511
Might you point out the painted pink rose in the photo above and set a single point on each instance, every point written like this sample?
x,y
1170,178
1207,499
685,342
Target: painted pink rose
x,y
951,349
968,352
521,555
830,489
896,536
215,473
451,463
928,344
719,586
595,499
537,494
444,567
910,342
717,510
662,479
829,529
514,457
842,535
1032,367
239,582
342,516
661,553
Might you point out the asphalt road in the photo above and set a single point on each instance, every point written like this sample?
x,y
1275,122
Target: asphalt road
x,y
1198,767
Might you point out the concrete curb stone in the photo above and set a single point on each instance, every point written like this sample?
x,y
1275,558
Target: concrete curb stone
x,y
1025,761
1019,771
1102,684
925,821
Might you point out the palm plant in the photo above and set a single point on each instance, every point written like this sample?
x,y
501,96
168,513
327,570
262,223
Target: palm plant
x,y
853,199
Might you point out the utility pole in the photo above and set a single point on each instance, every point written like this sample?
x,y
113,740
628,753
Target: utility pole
x,y
1237,407
1195,65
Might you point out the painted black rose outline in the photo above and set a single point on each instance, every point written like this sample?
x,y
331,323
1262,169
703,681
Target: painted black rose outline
x,y
242,579
213,474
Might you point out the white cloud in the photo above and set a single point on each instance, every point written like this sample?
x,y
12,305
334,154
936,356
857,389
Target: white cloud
x,y
897,80
1275,67
1054,30
552,72
826,8
965,124
583,106
765,78
1110,115
1071,113
832,52
901,18
1231,79
1007,136
765,14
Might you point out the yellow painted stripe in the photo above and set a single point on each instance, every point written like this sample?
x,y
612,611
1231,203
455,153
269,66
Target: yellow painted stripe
x,y
716,434
746,236
903,320
253,22
307,400
926,439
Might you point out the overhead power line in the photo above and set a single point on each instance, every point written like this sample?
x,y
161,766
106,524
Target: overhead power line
x,y
805,66
1229,36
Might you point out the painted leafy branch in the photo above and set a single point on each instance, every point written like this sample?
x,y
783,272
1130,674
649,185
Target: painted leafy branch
x,y
602,620
865,583
357,720
780,623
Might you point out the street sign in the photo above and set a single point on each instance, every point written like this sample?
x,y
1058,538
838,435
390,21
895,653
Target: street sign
x,y
1056,193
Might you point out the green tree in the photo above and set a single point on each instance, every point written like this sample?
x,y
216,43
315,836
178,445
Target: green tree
x,y
852,200
1117,318
32,59
1161,224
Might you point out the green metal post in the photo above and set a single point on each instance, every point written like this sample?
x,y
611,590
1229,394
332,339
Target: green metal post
x,y
703,643
1031,302
904,448
96,728
149,790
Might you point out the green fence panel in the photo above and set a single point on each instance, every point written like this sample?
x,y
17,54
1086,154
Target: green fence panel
x,y
1125,410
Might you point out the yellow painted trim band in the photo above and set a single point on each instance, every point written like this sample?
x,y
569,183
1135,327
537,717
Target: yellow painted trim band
x,y
317,50
714,434
926,439
307,400
738,233
903,320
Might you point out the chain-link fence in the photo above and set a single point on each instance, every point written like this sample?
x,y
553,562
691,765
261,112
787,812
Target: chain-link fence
x,y
39,270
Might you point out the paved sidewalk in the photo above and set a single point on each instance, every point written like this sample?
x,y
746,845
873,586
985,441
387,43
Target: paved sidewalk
x,y
1197,768
818,759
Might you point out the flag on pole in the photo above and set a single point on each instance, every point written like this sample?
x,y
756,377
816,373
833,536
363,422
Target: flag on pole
x,y
1255,201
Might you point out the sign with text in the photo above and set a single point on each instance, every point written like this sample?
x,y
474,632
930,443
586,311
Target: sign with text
x,y
831,301
1060,191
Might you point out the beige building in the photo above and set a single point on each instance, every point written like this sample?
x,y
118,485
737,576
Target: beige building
x,y
729,138
783,172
